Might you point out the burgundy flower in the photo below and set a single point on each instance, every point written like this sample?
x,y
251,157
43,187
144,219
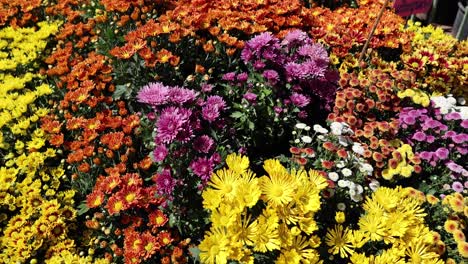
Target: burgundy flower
x,y
203,144
165,182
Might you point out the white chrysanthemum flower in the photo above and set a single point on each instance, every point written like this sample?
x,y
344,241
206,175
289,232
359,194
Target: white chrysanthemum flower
x,y
336,128
306,139
320,129
301,125
340,164
346,172
374,185
343,183
358,149
333,176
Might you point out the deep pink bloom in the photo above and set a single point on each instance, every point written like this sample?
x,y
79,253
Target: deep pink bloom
x,y
271,76
299,100
453,116
171,122
426,155
242,77
251,97
202,167
206,88
230,76
203,144
419,136
165,182
442,153
160,153
460,138
180,95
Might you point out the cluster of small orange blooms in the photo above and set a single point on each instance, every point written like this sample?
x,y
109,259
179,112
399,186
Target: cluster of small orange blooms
x,y
369,103
18,12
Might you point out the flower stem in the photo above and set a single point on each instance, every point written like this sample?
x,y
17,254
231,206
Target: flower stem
x,y
377,20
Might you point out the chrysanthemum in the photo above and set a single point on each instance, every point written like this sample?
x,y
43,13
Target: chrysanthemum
x,y
171,122
451,226
419,252
339,241
237,163
316,177
115,205
153,94
299,100
225,182
372,226
178,95
160,153
202,167
278,188
214,247
165,182
95,199
463,249
203,144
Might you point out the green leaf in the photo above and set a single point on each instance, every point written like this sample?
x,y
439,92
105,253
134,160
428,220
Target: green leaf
x,y
82,209
237,114
251,125
119,91
195,251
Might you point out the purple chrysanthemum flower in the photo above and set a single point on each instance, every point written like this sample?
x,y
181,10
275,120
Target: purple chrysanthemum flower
x,y
203,144
419,136
295,37
316,52
460,138
299,100
210,113
464,123
457,186
258,65
202,167
449,134
160,153
216,101
251,97
242,77
430,139
206,88
442,153
426,155
271,76
453,116
260,41
313,69
153,94
230,76
278,110
180,95
462,151
410,120
171,121
454,167
165,182
295,71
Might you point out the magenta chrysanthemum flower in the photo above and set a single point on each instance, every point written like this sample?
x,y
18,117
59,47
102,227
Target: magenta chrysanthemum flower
x,y
295,71
178,95
460,138
251,97
153,94
206,88
230,76
203,144
210,113
454,167
426,155
271,76
453,116
442,153
160,153
165,182
171,121
216,101
202,167
316,52
419,136
295,37
312,69
299,100
464,123
242,77
260,41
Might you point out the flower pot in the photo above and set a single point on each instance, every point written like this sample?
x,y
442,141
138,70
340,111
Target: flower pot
x,y
460,26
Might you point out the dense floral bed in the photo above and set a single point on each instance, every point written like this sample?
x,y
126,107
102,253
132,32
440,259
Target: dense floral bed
x,y
229,132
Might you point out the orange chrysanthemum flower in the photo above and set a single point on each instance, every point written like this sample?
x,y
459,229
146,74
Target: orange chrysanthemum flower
x,y
115,205
157,219
95,199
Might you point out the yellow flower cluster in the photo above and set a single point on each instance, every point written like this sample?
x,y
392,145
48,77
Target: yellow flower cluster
x,y
285,202
438,59
417,96
398,164
21,46
457,205
394,217
36,212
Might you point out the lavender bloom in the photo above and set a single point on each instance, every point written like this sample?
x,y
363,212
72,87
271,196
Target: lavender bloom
x,y
295,71
180,95
216,101
313,69
202,167
210,113
246,55
153,94
272,76
160,153
316,52
170,123
258,65
454,167
251,97
449,134
295,37
457,186
464,123
203,144
165,183
299,100
430,139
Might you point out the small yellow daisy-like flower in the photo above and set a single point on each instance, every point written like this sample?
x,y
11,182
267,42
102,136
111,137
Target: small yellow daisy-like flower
x,y
458,235
463,249
237,163
431,199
